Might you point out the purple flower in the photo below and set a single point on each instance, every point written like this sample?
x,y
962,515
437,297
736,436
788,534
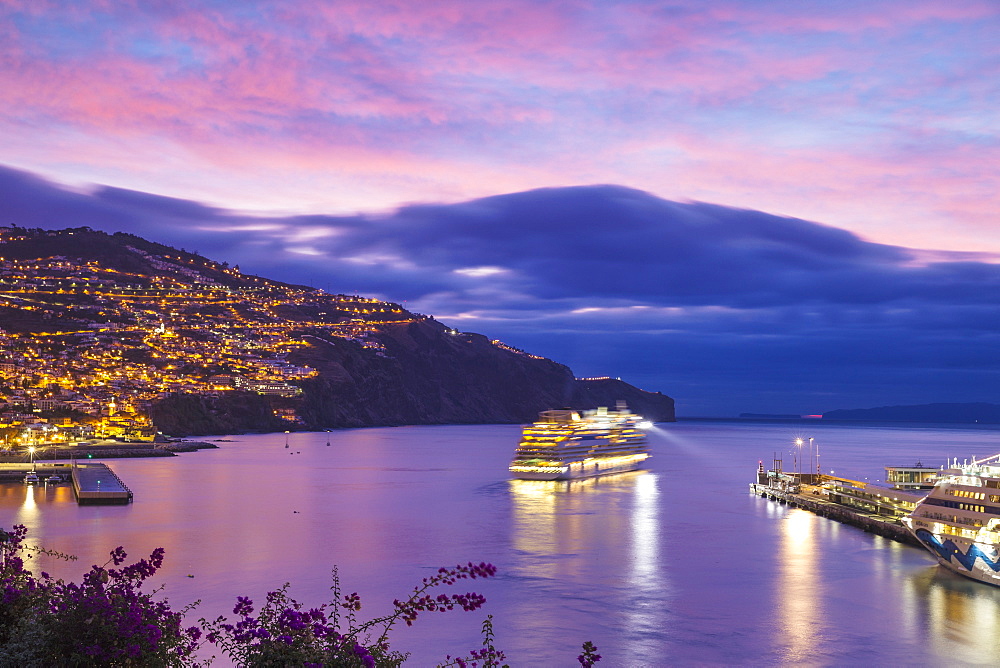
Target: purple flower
x,y
244,606
118,555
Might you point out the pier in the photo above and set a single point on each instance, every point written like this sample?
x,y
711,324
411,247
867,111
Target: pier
x,y
93,483
868,507
96,483
880,525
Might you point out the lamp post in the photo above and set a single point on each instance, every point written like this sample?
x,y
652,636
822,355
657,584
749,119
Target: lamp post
x,y
798,458
817,455
31,453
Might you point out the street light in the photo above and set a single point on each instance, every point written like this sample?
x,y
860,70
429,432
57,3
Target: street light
x,y
798,457
817,455
31,453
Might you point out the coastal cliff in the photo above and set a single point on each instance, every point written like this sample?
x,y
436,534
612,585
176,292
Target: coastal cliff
x,y
429,375
424,375
133,337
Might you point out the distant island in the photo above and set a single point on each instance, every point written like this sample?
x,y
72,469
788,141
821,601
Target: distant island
x,y
771,416
983,413
113,336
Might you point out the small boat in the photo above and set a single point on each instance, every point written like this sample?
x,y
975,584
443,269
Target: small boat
x,y
54,478
31,478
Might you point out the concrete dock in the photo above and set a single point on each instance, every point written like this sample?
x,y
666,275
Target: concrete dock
x,y
96,483
93,482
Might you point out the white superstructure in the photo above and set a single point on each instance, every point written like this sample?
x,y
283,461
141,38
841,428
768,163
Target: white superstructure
x,y
959,520
563,445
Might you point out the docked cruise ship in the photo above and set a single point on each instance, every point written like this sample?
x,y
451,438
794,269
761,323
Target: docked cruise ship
x,y
959,520
564,445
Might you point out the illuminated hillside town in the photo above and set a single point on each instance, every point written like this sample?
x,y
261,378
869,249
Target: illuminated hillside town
x,y
87,348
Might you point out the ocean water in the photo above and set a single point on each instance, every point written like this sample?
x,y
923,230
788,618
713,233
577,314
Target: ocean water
x,y
674,565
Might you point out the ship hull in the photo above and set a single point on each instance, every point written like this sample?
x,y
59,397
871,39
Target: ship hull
x,y
577,470
978,561
958,521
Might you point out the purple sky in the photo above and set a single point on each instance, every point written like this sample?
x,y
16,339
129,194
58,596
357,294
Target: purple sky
x,y
294,138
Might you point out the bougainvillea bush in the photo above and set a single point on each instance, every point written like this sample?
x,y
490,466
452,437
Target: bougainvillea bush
x,y
109,620
284,633
106,619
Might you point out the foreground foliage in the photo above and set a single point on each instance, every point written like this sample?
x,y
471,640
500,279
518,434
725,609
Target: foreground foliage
x,y
108,620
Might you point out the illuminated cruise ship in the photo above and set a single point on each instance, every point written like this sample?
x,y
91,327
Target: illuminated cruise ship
x,y
959,520
563,445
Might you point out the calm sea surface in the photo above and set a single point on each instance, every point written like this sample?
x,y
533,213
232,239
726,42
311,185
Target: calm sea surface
x,y
676,565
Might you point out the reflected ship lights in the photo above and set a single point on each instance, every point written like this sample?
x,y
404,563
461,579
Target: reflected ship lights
x,y
602,532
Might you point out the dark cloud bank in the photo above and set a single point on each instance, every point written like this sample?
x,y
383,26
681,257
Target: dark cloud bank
x,y
727,310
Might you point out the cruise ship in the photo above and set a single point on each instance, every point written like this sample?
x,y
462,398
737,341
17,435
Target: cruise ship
x,y
959,520
565,444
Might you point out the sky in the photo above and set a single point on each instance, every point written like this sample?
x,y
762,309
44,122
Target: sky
x,y
767,206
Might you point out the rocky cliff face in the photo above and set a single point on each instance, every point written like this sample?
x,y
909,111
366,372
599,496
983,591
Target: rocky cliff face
x,y
607,392
428,375
413,373
230,413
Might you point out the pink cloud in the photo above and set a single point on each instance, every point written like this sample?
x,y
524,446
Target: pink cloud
x,y
795,17
737,102
892,195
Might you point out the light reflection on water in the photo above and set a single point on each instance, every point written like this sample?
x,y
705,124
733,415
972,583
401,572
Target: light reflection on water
x,y
799,590
674,565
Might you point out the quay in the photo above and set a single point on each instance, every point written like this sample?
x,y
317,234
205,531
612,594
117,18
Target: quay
x,y
97,483
93,483
868,507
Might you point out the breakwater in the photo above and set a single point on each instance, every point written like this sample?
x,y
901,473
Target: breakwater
x,y
52,455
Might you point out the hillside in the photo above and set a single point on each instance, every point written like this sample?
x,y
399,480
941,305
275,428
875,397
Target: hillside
x,y
91,319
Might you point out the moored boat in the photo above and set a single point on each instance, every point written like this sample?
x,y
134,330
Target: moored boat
x,y
959,520
31,478
565,444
